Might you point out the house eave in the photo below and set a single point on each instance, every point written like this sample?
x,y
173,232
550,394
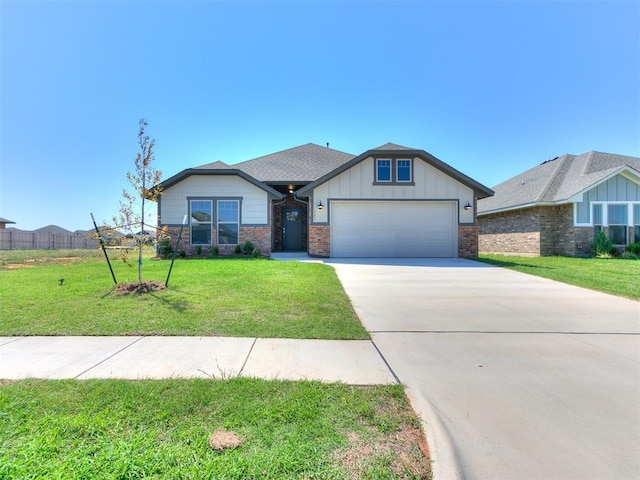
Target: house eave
x,y
522,206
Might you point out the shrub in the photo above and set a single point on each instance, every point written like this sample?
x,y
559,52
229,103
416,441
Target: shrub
x,y
164,248
183,253
634,248
602,247
215,251
248,247
256,253
238,249
198,250
627,255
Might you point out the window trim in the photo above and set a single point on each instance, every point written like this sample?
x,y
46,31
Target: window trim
x,y
394,171
377,170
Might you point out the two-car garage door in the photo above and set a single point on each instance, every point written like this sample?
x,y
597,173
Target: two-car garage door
x,y
393,229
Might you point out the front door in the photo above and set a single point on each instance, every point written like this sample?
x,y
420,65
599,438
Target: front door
x,y
291,229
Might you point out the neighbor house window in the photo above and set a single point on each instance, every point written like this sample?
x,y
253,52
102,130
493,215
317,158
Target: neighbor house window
x,y
383,170
228,222
403,170
636,222
200,222
617,219
597,218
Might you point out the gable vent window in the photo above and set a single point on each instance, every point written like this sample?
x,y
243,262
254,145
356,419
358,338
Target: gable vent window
x,y
394,171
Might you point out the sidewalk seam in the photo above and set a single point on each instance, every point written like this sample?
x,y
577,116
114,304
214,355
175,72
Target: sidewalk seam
x,y
385,362
244,364
109,357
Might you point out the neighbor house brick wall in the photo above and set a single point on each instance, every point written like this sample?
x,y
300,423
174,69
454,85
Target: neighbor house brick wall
x,y
516,232
467,241
557,234
319,240
260,236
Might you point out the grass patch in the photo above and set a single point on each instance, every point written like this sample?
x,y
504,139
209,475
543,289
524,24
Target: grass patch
x,y
72,293
161,429
615,276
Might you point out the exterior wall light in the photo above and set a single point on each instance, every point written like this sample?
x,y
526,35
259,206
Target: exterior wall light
x,y
320,206
468,205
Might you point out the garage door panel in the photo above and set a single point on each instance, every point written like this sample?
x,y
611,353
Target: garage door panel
x,y
393,229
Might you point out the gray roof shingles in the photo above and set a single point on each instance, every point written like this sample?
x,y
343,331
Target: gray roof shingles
x,y
556,180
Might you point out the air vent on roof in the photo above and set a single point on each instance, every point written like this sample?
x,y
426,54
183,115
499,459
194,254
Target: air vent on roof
x,y
327,144
550,160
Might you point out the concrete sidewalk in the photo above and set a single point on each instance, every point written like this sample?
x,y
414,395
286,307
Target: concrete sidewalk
x,y
355,362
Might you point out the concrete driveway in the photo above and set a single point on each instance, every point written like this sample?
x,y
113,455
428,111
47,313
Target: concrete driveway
x,y
515,376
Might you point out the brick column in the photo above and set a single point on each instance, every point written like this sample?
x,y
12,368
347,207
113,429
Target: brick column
x,y
319,240
467,241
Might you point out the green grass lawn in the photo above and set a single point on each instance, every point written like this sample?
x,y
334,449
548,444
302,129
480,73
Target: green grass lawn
x,y
615,276
111,429
227,297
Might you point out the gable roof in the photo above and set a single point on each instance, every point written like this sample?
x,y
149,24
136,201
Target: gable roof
x,y
302,164
4,220
390,149
558,180
55,229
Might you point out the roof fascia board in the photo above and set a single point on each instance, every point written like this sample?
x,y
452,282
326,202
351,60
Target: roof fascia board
x,y
480,190
218,171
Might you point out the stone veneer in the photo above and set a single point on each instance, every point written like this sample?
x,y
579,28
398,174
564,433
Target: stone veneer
x,y
260,236
534,231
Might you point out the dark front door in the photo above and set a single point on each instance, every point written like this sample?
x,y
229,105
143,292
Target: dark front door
x,y
291,229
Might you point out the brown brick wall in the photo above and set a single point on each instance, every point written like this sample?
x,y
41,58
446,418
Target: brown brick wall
x,y
319,240
512,233
260,236
467,241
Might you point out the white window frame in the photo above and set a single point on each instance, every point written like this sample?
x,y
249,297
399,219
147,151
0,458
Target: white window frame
x,y
197,222
378,160
397,162
218,222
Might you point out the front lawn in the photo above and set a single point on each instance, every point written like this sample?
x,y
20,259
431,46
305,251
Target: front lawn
x,y
615,276
113,429
72,293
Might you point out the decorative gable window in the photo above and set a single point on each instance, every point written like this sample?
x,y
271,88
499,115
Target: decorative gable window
x,y
617,219
228,222
200,222
395,171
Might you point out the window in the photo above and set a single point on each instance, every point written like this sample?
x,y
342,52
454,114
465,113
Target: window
x,y
397,171
200,222
636,222
403,170
617,219
383,170
228,222
597,218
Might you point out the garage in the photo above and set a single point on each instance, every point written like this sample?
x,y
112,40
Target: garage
x,y
393,229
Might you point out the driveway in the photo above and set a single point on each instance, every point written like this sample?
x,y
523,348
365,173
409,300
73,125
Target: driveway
x,y
515,376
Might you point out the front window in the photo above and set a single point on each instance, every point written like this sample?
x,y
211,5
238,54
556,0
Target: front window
x,y
403,170
636,222
200,222
597,218
383,170
617,218
228,222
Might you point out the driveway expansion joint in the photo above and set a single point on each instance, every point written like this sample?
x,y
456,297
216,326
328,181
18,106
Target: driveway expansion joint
x,y
386,363
109,357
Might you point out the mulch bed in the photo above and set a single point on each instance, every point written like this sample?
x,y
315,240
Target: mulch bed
x,y
144,287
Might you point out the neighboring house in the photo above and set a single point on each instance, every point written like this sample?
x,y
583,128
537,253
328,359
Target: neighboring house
x,y
4,222
391,201
53,229
557,207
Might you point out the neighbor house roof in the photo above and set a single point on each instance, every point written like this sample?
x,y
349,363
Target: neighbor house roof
x,y
4,220
302,164
392,149
558,180
55,229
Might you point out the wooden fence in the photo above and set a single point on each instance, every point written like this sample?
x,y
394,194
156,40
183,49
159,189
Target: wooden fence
x,y
12,240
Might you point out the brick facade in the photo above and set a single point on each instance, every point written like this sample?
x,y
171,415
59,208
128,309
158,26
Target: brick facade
x,y
467,241
260,236
535,231
319,240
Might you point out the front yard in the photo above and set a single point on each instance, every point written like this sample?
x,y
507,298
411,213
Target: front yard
x,y
71,293
611,275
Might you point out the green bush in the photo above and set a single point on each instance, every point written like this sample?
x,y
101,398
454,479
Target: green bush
x,y
634,248
164,248
602,247
256,253
248,247
215,251
627,255
238,249
198,250
183,254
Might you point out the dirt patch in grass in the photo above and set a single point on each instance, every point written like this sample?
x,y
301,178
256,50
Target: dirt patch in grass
x,y
135,287
223,439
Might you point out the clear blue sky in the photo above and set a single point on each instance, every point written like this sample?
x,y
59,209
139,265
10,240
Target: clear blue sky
x,y
490,87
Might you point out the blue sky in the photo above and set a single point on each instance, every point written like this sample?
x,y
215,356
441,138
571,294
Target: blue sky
x,y
490,87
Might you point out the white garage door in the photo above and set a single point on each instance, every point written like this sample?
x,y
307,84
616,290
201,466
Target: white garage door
x,y
393,229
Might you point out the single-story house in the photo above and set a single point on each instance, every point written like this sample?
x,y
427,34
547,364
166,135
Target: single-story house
x,y
557,207
391,201
4,222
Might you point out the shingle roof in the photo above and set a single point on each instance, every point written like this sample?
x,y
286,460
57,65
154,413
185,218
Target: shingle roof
x,y
215,166
393,146
4,220
299,164
556,181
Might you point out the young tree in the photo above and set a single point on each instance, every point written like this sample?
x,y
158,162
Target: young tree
x,y
132,213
